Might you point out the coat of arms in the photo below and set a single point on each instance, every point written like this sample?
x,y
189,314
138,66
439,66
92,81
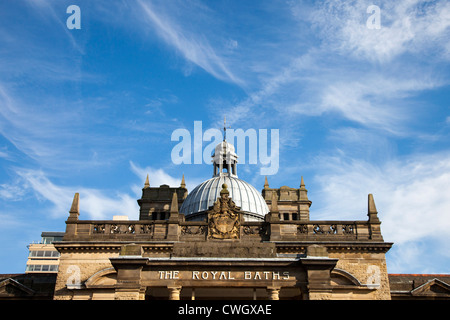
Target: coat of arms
x,y
224,218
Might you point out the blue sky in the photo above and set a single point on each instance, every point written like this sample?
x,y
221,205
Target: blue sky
x,y
359,110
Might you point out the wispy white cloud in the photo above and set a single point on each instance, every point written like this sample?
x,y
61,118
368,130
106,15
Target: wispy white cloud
x,y
46,10
371,79
194,47
4,154
94,203
61,133
410,195
11,191
356,72
35,129
373,100
407,26
159,177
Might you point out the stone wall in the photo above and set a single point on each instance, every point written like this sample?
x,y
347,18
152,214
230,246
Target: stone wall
x,y
369,269
76,266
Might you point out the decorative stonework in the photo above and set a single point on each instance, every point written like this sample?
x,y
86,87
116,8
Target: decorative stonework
x,y
117,228
224,218
193,230
279,258
254,230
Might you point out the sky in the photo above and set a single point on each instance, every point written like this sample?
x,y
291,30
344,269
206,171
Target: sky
x,y
357,90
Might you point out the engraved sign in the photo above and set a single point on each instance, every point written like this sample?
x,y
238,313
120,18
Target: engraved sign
x,y
223,275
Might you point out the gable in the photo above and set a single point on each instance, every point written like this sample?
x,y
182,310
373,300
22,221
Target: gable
x,y
434,287
10,288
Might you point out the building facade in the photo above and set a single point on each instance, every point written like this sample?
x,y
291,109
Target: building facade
x,y
223,240
43,256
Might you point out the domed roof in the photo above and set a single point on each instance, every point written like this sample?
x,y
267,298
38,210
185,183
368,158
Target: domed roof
x,y
242,193
224,147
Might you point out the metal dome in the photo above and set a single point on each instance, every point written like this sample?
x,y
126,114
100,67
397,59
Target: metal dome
x,y
242,193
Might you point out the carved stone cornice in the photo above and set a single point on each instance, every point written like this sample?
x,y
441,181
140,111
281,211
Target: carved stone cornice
x,y
110,247
334,246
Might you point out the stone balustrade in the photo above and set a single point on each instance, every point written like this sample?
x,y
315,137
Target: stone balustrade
x,y
141,230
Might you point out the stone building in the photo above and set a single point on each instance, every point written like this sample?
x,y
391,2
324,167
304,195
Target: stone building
x,y
223,240
27,286
420,286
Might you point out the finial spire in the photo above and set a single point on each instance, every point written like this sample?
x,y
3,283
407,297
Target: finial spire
x,y
225,128
147,183
302,183
374,221
372,209
183,183
266,183
303,193
305,203
75,204
173,217
75,208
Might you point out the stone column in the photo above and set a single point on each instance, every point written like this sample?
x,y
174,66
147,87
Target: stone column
x,y
274,219
303,202
174,293
173,228
318,268
129,265
274,293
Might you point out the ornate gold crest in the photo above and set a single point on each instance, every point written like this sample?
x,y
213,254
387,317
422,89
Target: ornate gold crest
x,y
224,218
